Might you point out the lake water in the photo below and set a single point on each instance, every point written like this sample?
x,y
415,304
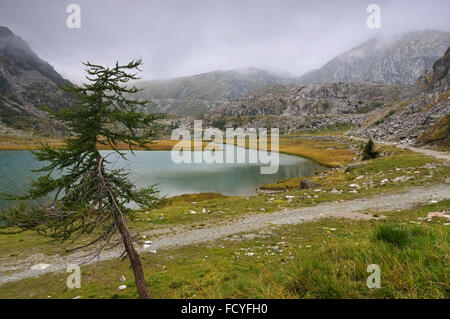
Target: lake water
x,y
157,167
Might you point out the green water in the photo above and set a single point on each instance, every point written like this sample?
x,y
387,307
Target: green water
x,y
157,167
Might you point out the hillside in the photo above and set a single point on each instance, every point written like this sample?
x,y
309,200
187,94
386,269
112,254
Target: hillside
x,y
424,113
194,95
397,59
313,99
26,84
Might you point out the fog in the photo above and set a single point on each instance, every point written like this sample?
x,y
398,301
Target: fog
x,y
180,37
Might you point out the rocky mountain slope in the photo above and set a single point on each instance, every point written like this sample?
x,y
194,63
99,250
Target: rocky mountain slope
x,y
194,95
397,59
296,107
313,99
422,116
26,84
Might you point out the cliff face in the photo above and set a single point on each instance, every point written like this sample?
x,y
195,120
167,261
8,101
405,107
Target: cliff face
x,y
400,59
420,115
438,80
313,99
27,83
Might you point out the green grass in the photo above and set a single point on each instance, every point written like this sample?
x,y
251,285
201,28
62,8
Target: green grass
x,y
324,259
394,234
175,212
414,258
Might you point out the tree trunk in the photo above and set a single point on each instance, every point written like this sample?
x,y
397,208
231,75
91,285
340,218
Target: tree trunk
x,y
134,260
126,238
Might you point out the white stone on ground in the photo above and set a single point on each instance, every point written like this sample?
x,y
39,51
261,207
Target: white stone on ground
x,y
41,266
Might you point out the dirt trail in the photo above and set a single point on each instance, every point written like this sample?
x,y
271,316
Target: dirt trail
x,y
433,153
425,151
346,209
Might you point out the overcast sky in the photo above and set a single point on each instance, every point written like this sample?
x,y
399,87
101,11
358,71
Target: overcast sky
x,y
185,37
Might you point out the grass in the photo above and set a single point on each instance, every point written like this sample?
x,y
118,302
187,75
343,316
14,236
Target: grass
x,y
438,135
316,261
17,143
324,259
211,208
328,151
394,162
394,234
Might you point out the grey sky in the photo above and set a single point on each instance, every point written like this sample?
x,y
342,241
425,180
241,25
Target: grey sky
x,y
184,37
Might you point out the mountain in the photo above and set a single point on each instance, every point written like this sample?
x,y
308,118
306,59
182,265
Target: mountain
x,y
312,99
423,116
194,95
27,83
397,59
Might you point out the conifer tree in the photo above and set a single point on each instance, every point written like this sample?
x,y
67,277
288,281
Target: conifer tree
x,y
368,150
89,199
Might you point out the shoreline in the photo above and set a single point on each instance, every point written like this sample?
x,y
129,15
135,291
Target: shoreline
x,y
323,156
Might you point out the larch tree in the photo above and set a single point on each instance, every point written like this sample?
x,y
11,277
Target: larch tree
x,y
88,198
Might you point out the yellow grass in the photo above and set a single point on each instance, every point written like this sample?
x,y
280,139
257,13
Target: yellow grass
x,y
316,150
323,152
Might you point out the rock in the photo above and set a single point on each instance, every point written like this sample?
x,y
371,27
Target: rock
x,y
354,186
262,209
146,246
250,254
122,278
122,287
401,179
289,197
77,297
335,191
437,214
193,212
148,242
41,266
384,181
351,167
307,184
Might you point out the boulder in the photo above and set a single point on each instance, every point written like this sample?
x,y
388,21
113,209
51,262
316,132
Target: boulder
x,y
307,184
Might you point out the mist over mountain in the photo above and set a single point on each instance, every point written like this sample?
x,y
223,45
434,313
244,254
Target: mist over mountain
x,y
370,86
197,94
27,83
395,59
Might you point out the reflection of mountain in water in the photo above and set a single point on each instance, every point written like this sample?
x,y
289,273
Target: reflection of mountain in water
x,y
156,167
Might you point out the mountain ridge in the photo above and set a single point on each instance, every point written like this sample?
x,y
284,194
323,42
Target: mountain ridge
x,y
27,83
395,59
200,93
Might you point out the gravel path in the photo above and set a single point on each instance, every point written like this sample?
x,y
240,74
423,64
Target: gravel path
x,y
436,154
346,209
425,151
